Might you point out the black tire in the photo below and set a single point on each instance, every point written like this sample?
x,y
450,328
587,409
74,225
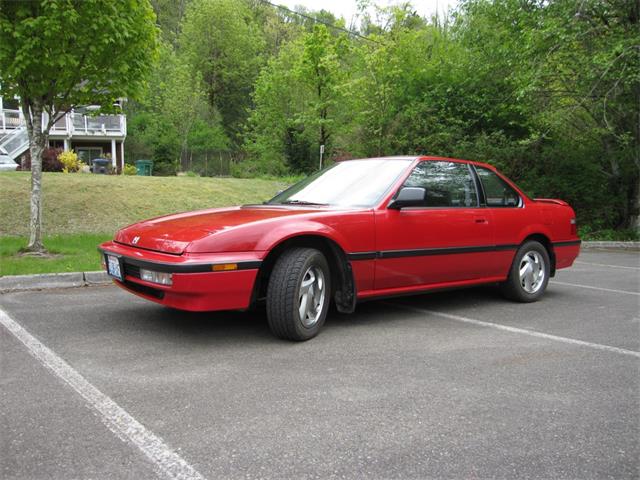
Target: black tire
x,y
284,294
514,287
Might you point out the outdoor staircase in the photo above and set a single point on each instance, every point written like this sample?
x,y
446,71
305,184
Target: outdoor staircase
x,y
14,143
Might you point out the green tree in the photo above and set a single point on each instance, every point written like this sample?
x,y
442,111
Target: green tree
x,y
278,97
594,67
276,25
222,44
298,104
406,93
320,70
58,54
169,14
572,71
163,121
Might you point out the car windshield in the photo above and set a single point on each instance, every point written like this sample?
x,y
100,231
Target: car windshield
x,y
354,183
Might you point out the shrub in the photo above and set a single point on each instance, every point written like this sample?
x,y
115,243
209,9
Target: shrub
x,y
588,232
70,161
50,162
129,169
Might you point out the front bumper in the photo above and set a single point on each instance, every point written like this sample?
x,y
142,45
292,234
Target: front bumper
x,y
196,287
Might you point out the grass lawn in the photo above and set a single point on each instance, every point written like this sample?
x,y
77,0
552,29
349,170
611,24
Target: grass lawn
x,y
78,206
87,203
69,253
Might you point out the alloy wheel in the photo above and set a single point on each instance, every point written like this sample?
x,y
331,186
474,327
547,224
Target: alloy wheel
x,y
311,296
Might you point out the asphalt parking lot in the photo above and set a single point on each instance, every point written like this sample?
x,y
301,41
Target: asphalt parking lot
x,y
96,383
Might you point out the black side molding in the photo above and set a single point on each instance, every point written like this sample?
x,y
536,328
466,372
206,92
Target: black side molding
x,y
182,268
570,243
362,255
424,252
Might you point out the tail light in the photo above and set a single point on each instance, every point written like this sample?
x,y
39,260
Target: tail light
x,y
574,226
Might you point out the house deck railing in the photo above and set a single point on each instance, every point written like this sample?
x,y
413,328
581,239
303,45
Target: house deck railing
x,y
72,124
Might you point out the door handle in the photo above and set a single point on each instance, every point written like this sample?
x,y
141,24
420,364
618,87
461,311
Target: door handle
x,y
481,220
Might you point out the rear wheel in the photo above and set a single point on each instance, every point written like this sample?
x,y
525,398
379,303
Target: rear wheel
x,y
298,294
529,274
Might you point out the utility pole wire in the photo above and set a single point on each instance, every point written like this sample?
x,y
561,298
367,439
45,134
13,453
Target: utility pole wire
x,y
316,20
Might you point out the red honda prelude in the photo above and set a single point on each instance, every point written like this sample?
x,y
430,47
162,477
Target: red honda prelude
x,y
357,230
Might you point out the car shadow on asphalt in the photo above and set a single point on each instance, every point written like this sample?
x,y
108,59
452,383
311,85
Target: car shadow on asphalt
x,y
206,327
252,326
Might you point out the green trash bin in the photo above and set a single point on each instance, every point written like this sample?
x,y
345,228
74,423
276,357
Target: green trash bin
x,y
144,167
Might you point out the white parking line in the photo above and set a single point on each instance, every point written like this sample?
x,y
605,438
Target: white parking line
x,y
607,265
626,292
123,425
523,331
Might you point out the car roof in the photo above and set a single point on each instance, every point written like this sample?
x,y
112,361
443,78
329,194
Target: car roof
x,y
426,158
474,162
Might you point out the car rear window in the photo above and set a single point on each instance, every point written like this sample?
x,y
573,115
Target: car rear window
x,y
497,192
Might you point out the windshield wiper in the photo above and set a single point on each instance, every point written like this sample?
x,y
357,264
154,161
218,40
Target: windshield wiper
x,y
302,202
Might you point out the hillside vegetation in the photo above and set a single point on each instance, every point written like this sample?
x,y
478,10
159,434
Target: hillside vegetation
x,y
548,91
76,203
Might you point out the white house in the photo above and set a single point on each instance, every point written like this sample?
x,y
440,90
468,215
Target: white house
x,y
89,136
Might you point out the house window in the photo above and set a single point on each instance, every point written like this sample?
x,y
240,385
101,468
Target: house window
x,y
88,154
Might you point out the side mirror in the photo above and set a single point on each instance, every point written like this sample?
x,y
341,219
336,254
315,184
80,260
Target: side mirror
x,y
409,197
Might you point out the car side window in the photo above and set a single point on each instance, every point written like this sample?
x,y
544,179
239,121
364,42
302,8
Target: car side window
x,y
497,192
448,184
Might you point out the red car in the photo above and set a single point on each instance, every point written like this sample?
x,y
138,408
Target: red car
x,y
359,229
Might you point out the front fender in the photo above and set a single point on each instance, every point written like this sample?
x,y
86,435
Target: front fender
x,y
283,233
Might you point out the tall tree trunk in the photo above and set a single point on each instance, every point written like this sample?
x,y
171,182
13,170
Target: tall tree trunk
x,y
37,143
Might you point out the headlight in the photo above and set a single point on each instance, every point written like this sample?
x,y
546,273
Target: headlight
x,y
156,277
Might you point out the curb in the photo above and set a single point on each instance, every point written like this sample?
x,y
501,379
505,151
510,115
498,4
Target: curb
x,y
614,245
13,283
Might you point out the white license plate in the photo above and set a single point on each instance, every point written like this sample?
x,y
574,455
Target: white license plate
x,y
113,267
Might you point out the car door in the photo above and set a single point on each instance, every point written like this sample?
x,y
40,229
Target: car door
x,y
506,208
445,240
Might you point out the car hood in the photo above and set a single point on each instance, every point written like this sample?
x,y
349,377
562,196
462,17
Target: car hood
x,y
173,233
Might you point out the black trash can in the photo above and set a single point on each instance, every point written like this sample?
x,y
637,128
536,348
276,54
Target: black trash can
x,y
100,165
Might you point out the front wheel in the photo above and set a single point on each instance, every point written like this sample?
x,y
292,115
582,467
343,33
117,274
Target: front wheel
x,y
298,294
529,274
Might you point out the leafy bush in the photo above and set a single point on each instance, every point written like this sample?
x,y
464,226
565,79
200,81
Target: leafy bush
x,y
50,162
129,169
70,161
607,234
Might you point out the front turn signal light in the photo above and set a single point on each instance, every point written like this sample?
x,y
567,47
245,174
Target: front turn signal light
x,y
225,267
